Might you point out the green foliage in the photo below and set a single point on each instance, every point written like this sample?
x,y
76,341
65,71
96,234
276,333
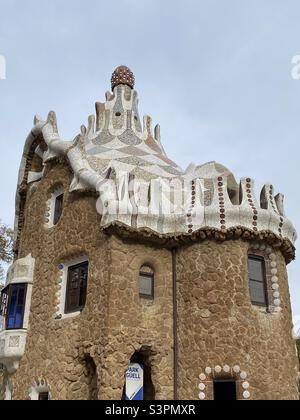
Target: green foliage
x,y
6,247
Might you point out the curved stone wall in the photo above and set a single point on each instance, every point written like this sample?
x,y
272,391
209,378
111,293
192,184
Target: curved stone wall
x,y
219,327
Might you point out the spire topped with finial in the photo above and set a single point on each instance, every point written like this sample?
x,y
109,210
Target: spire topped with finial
x,y
122,76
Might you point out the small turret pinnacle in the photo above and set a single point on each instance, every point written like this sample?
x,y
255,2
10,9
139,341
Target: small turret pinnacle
x,y
122,76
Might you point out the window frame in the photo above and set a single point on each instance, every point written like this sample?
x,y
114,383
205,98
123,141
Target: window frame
x,y
150,275
67,309
8,291
58,211
252,256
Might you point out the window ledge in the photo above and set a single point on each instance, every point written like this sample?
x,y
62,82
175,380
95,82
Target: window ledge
x,y
271,310
61,317
12,348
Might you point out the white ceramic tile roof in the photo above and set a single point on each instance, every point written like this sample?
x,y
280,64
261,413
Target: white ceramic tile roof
x,y
140,186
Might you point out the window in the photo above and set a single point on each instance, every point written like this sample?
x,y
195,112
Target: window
x,y
43,396
55,205
58,208
257,280
225,390
146,283
76,287
13,300
40,391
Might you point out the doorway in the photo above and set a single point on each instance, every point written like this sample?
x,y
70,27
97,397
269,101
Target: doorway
x,y
225,390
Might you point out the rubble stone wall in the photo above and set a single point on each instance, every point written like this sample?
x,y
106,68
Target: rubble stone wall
x,y
85,357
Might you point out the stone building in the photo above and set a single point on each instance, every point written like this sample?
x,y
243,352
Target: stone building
x,y
121,256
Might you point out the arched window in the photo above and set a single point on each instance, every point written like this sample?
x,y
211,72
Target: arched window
x,y
146,282
40,391
55,206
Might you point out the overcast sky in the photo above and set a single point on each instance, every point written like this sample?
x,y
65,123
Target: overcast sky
x,y
215,74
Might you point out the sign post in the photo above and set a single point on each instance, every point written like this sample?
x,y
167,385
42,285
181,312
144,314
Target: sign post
x,y
135,382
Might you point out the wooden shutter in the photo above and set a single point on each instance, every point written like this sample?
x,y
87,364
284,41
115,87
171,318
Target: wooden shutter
x,y
76,287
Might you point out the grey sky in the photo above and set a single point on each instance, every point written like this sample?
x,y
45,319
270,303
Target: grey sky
x,y
216,75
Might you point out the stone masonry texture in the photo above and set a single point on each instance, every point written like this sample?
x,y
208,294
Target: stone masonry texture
x,y
217,324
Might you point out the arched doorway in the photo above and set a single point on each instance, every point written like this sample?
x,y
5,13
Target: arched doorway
x,y
142,358
90,372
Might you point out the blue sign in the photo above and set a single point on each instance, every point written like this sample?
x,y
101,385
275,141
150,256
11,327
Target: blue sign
x,y
134,382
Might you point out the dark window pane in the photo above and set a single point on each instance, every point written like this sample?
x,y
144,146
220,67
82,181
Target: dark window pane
x,y
256,269
21,296
11,323
257,292
225,391
146,285
257,281
58,208
43,396
13,301
76,287
19,317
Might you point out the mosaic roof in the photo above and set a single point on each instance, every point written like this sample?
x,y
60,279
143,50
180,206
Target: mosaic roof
x,y
123,159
